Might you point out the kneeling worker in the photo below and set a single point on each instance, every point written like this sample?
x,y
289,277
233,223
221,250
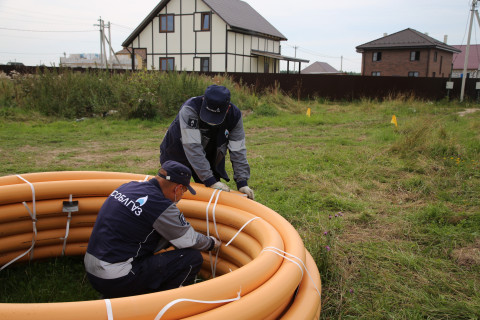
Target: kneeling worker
x,y
133,221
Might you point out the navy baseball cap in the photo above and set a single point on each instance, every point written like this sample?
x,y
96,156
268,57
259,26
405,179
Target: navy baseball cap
x,y
215,104
177,172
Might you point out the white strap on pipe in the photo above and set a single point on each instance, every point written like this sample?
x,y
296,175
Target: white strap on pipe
x,y
67,228
168,306
278,251
108,304
240,230
214,268
33,215
213,214
146,177
206,211
213,264
33,196
34,225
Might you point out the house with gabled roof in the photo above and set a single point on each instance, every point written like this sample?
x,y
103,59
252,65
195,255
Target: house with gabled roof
x,y
319,67
407,53
473,64
208,36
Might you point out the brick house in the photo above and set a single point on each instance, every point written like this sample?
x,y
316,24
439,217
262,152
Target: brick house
x,y
208,35
407,53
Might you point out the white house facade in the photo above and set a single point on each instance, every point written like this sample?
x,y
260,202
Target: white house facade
x,y
209,36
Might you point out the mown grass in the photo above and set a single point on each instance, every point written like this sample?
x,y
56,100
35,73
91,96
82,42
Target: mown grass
x,y
391,215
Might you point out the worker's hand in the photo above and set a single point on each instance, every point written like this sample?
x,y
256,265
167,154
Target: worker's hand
x,y
220,186
248,192
216,243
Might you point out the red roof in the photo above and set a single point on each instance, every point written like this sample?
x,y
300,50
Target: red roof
x,y
473,57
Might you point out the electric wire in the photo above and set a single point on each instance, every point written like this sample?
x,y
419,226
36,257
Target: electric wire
x,y
31,30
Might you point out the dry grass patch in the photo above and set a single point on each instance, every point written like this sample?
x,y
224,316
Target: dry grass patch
x,y
467,256
374,231
94,155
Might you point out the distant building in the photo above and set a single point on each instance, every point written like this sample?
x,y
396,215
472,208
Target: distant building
x,y
473,61
209,36
407,53
140,57
93,60
320,68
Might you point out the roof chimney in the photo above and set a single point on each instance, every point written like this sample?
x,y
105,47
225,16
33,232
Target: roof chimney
x,y
445,37
426,33
385,34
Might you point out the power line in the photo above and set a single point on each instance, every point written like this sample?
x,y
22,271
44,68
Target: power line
x,y
119,25
308,51
29,30
41,15
36,21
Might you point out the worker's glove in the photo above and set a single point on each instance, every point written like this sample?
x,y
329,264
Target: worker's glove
x,y
247,191
216,243
220,186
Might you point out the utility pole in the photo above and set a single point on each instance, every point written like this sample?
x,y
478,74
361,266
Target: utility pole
x,y
295,47
109,41
103,38
103,44
464,78
100,24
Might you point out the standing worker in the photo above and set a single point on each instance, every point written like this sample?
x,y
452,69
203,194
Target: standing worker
x,y
136,220
205,127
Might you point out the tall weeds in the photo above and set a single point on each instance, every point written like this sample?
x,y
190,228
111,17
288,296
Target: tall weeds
x,y
64,93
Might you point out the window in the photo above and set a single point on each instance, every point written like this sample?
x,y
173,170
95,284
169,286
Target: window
x,y
376,73
377,56
167,23
414,55
205,21
205,64
167,64
435,55
413,73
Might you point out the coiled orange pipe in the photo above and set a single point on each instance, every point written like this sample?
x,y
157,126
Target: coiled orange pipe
x,y
252,264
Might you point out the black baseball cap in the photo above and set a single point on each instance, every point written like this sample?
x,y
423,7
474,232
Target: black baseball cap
x,y
215,104
179,173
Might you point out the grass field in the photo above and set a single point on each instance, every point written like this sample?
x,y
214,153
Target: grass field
x,y
390,214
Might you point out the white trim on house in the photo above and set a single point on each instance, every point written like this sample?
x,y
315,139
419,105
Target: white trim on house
x,y
227,47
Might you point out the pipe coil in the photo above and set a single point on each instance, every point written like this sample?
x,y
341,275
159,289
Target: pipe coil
x,y
265,272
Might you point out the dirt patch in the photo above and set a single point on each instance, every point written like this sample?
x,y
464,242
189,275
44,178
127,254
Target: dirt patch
x,y
467,111
467,256
143,159
375,232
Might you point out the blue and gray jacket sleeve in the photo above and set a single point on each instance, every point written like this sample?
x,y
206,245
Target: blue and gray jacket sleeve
x,y
173,227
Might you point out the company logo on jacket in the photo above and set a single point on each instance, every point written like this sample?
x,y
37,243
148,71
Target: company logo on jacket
x,y
134,206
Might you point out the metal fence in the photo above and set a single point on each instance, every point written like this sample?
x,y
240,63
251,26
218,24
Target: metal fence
x,y
352,87
333,87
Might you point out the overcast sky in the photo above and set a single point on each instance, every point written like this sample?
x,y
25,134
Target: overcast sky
x,y
317,30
